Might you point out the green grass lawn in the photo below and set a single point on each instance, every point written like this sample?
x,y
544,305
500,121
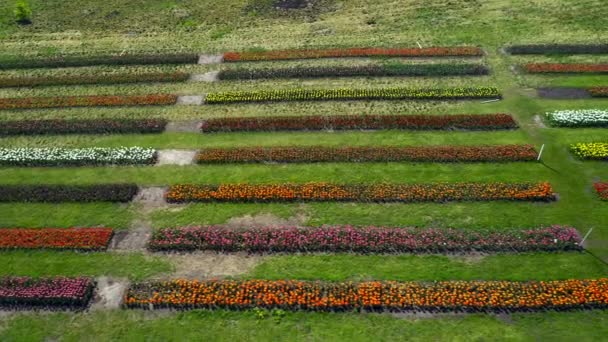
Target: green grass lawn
x,y
114,26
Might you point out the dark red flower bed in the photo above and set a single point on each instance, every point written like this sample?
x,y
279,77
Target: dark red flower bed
x,y
87,101
90,239
558,49
68,193
598,91
602,190
33,81
350,122
78,61
59,292
505,153
352,52
96,126
363,240
542,68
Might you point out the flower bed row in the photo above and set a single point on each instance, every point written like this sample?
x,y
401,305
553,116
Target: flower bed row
x,y
33,81
58,292
543,68
579,118
351,94
363,240
78,61
96,126
87,239
295,154
552,49
365,71
370,295
346,122
351,52
87,101
602,190
54,156
68,193
597,151
439,192
598,91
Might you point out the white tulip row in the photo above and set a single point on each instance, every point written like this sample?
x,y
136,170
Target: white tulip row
x,y
579,118
76,156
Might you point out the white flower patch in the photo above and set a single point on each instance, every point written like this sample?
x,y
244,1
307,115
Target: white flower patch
x,y
76,156
579,118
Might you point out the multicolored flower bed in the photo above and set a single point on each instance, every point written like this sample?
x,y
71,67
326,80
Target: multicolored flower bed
x,y
296,154
96,126
351,94
602,190
33,81
363,240
87,101
558,49
363,71
556,68
352,52
54,156
346,122
440,192
579,118
58,292
598,91
476,296
88,239
78,61
597,151
68,193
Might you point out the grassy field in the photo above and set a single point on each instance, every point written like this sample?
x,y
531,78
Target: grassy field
x,y
115,26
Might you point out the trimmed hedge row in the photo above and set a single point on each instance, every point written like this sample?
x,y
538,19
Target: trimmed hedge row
x,y
407,193
96,126
295,154
68,193
58,292
78,61
557,49
85,239
564,68
53,156
274,55
87,101
441,296
350,122
33,81
363,240
364,71
352,94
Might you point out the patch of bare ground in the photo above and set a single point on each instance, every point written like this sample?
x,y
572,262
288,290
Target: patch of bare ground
x,y
267,220
150,199
211,265
188,126
538,122
109,293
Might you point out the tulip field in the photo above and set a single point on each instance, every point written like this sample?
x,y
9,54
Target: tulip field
x,y
306,170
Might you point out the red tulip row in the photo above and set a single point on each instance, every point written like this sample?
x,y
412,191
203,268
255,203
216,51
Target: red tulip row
x,y
602,190
351,122
87,101
458,296
56,238
59,292
506,153
541,68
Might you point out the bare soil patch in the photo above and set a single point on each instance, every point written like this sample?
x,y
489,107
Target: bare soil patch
x,y
266,220
134,239
151,198
175,157
190,100
109,293
538,122
184,126
211,265
563,93
211,76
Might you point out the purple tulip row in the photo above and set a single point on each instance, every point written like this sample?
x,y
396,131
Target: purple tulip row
x,y
45,292
363,240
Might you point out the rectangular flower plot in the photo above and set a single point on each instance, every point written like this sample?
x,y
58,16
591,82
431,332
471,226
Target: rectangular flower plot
x,y
440,192
68,193
295,154
602,190
45,293
85,239
579,118
458,51
353,122
356,71
458,296
79,61
34,81
365,240
87,101
558,49
346,94
592,151
565,68
54,156
598,91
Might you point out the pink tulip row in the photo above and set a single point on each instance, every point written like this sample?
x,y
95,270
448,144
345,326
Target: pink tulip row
x,y
45,292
